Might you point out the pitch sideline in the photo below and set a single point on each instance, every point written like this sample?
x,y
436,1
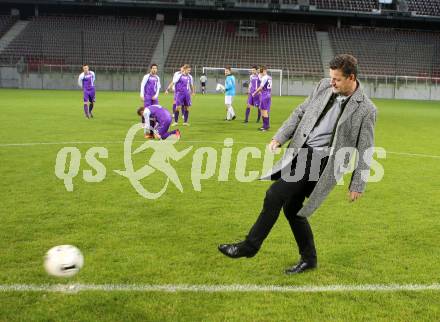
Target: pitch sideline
x,y
203,288
4,145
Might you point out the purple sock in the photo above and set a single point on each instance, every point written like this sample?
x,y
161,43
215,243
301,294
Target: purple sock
x,y
86,110
176,116
248,110
266,122
163,137
90,108
185,116
259,116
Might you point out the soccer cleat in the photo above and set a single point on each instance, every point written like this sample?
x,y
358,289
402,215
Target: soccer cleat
x,y
245,121
185,124
174,124
177,134
234,117
91,115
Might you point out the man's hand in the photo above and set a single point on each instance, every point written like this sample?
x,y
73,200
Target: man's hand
x,y
154,98
253,94
142,98
273,145
157,136
354,195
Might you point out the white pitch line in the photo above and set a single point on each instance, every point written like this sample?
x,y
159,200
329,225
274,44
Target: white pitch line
x,y
421,155
415,154
234,288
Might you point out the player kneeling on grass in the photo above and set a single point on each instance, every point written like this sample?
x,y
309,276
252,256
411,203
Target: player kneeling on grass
x,y
163,121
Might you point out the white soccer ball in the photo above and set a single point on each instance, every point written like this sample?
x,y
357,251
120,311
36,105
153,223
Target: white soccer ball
x,y
63,261
220,88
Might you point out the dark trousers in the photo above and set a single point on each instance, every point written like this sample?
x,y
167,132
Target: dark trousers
x,y
289,196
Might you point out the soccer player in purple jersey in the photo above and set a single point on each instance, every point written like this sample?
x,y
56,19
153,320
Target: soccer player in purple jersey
x,y
163,121
191,92
171,87
253,101
265,89
150,87
86,81
182,85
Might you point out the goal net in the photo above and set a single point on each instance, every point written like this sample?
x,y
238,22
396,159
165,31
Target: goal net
x,y
216,75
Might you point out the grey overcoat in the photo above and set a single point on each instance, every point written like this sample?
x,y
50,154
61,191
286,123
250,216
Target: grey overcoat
x,y
355,129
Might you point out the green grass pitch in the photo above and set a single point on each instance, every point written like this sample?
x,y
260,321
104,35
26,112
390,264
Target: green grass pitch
x,y
390,236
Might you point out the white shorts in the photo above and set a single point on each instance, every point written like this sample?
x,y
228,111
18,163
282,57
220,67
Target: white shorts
x,y
228,100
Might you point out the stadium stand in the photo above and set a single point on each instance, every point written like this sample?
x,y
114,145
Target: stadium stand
x,y
388,51
6,22
346,5
425,7
421,7
292,47
105,41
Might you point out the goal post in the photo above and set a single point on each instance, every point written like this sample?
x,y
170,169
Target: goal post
x,y
216,75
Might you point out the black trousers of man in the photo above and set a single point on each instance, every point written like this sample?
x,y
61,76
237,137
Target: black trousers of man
x,y
289,196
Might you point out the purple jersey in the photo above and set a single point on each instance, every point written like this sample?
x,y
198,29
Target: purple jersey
x,y
191,83
150,86
182,83
266,82
162,118
254,83
157,112
87,81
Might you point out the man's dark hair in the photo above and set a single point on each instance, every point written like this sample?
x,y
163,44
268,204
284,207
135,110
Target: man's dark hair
x,y
262,67
84,65
152,65
228,67
348,64
255,67
140,110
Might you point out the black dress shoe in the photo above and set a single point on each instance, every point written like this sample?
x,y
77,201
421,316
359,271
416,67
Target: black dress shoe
x,y
301,267
241,249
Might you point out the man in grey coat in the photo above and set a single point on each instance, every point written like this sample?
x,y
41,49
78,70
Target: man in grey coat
x,y
335,123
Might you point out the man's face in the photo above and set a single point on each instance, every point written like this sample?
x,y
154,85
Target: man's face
x,y
189,71
154,70
340,83
85,69
182,69
185,71
227,72
254,71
